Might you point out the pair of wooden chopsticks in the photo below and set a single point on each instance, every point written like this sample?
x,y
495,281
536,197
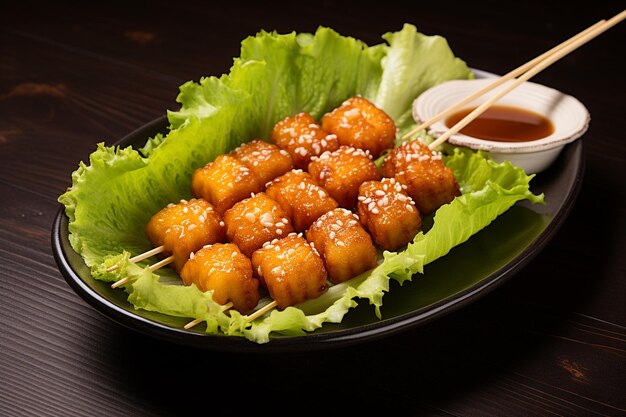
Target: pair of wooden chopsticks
x,y
524,72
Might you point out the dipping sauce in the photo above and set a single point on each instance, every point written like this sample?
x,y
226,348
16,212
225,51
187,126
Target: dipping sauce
x,y
504,124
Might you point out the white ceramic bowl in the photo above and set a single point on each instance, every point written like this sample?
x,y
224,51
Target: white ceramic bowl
x,y
568,115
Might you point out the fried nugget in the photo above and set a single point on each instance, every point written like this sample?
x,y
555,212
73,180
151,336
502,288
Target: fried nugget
x,y
388,213
291,270
360,124
302,199
429,182
342,172
346,248
223,269
303,138
255,220
185,227
266,160
224,181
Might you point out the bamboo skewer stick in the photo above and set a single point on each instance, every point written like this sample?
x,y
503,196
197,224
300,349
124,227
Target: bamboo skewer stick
x,y
270,306
523,68
152,268
499,81
192,324
530,73
140,257
262,311
198,321
147,254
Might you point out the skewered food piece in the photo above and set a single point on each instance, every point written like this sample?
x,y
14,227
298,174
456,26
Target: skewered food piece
x,y
429,182
301,198
224,181
341,172
291,270
255,220
360,124
266,160
302,137
225,270
185,227
388,213
346,248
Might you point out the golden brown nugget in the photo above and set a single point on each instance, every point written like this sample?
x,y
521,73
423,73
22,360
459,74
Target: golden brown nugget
x,y
266,160
342,172
388,213
224,181
255,220
185,227
291,270
223,269
429,182
302,199
303,138
360,124
346,248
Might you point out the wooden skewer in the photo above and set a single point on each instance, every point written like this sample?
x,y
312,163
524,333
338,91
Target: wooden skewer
x,y
499,81
152,268
198,321
533,71
192,323
269,306
262,311
140,257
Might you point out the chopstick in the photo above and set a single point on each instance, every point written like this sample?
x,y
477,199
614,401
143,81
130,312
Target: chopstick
x,y
501,80
546,60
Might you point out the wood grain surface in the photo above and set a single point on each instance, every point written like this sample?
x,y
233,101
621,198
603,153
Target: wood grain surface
x,y
551,341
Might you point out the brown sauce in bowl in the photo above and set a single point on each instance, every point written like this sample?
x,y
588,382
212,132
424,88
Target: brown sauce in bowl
x,y
504,124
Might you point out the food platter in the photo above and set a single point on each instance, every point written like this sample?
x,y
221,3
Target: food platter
x,y
467,273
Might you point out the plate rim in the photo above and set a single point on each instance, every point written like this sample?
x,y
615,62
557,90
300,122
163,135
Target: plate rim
x,y
312,340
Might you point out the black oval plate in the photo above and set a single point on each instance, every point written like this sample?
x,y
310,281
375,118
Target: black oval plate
x,y
467,273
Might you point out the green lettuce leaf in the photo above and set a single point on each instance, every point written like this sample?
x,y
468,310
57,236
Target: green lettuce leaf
x,y
113,197
415,62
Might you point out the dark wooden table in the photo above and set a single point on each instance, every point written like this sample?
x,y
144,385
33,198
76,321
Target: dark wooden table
x,y
551,341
